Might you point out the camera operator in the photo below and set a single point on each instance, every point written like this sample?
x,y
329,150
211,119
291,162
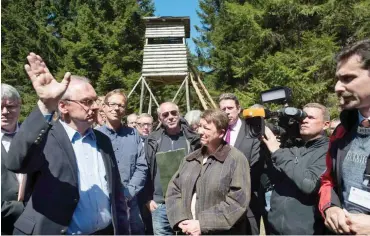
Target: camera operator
x,y
294,198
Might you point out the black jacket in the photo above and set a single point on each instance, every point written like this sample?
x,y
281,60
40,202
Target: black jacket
x,y
44,149
294,199
11,208
153,142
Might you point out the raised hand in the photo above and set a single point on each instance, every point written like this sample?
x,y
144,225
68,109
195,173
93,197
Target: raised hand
x,y
47,88
270,140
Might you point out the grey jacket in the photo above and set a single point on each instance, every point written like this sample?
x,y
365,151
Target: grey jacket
x,y
295,196
223,190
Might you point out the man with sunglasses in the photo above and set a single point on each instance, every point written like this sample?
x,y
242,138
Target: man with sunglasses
x,y
174,135
76,186
129,152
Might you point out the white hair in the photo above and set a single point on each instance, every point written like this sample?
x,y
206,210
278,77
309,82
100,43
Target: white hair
x,y
193,117
10,93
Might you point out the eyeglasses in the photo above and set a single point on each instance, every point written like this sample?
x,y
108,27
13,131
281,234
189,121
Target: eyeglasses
x,y
87,103
167,113
10,107
116,105
142,125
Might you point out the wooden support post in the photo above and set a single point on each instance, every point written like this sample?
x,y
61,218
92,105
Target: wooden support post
x,y
202,85
187,94
150,105
206,92
204,104
134,87
150,91
178,91
142,96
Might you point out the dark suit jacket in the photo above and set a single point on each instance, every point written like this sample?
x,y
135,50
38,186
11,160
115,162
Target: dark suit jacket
x,y
11,208
44,150
250,147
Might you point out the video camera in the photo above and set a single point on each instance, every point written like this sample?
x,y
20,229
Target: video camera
x,y
284,122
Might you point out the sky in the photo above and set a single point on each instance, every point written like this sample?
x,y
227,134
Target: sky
x,y
180,8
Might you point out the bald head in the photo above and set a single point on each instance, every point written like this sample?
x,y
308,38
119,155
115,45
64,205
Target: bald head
x,y
131,120
168,114
76,86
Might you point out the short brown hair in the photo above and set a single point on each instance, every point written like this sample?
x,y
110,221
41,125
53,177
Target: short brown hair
x,y
361,48
228,96
323,108
217,117
114,92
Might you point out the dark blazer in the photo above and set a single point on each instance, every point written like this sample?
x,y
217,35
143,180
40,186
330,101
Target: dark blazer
x,y
250,147
11,208
44,150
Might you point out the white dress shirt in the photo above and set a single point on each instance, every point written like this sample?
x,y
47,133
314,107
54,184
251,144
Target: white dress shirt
x,y
234,131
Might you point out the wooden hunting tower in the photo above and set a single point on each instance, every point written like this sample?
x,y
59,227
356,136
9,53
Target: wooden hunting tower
x,y
165,59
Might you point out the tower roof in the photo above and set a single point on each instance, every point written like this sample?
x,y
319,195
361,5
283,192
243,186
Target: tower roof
x,y
180,20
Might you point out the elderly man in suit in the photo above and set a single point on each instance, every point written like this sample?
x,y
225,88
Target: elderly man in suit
x,y
12,185
238,136
76,183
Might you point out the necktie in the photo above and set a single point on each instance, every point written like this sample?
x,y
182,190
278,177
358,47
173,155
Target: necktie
x,y
227,139
365,123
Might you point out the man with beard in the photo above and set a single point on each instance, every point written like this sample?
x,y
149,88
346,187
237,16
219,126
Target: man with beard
x,y
129,153
76,186
237,135
345,185
174,137
12,185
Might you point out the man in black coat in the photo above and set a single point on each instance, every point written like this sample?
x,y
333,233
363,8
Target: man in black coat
x,y
239,137
295,195
77,188
12,185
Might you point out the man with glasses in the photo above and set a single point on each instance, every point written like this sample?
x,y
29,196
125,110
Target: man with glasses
x,y
76,187
129,153
171,139
144,125
12,185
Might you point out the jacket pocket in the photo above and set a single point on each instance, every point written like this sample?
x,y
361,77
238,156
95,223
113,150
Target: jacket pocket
x,y
25,225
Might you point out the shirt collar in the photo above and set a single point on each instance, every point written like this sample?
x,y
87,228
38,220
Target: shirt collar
x,y
361,117
237,125
220,154
74,134
6,132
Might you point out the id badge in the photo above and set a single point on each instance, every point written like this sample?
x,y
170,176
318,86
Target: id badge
x,y
359,197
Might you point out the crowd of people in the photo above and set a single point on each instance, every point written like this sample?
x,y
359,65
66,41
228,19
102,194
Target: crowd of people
x,y
74,167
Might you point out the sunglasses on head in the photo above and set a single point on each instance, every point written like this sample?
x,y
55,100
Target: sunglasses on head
x,y
167,113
